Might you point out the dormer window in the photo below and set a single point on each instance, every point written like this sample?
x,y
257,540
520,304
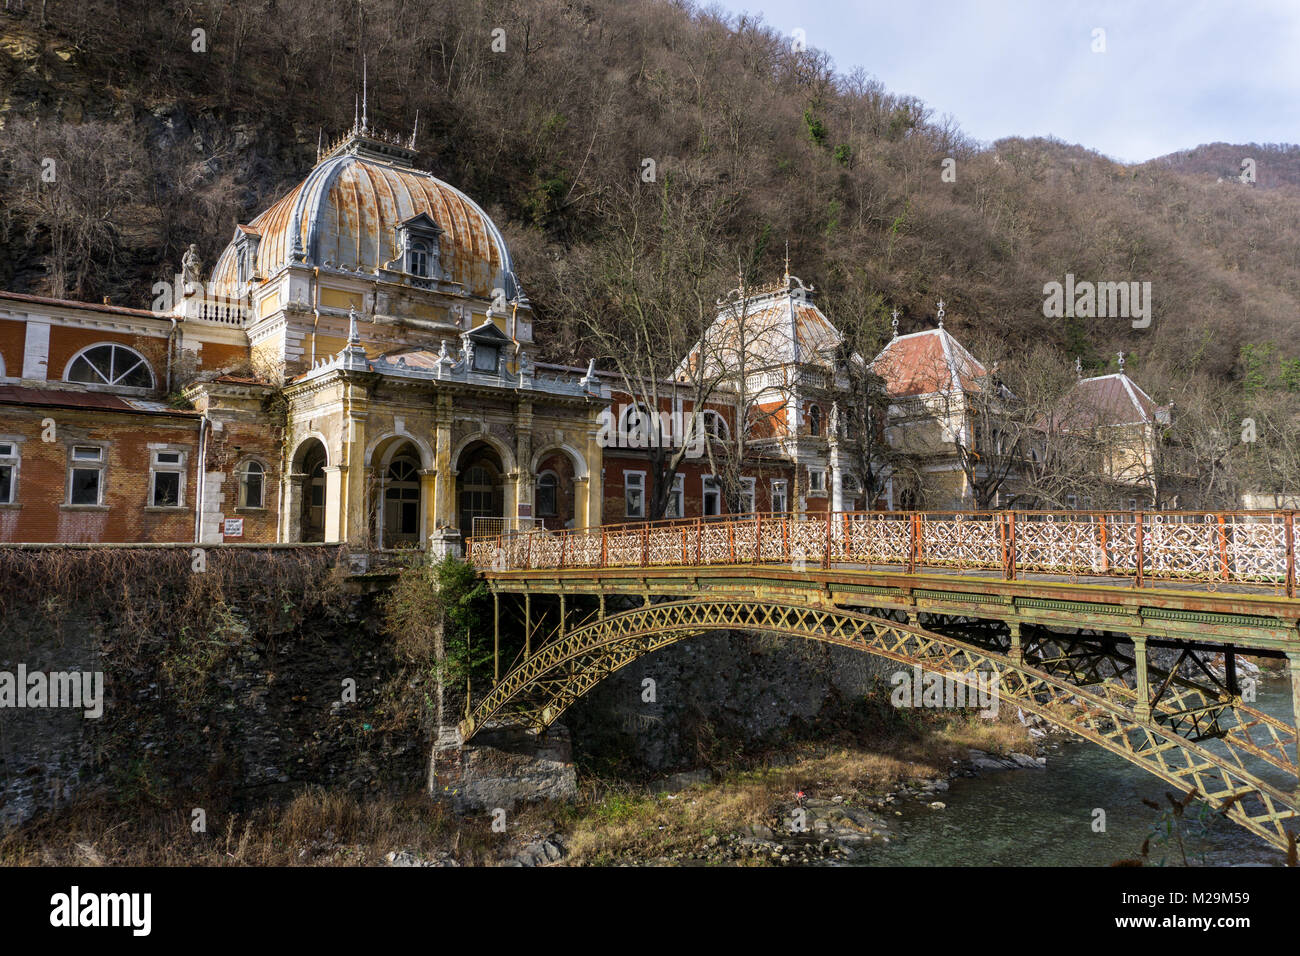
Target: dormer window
x,y
247,240
418,247
417,260
486,342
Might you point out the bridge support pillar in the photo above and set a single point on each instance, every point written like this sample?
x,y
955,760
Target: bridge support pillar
x,y
602,605
496,638
1142,709
563,613
528,625
1017,652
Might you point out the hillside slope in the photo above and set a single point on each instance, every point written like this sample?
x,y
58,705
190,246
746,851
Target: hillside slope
x,y
158,144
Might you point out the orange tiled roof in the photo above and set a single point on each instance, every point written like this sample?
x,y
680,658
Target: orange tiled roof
x,y
926,362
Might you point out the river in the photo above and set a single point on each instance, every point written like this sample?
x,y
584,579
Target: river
x,y
1046,818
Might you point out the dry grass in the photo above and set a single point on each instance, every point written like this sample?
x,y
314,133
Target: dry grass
x,y
612,821
317,827
625,823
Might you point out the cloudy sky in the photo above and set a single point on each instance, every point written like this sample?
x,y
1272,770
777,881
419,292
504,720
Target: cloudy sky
x,y
1174,73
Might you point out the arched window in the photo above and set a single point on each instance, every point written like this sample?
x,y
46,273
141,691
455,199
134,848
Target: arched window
x,y
815,421
419,260
547,484
252,484
110,364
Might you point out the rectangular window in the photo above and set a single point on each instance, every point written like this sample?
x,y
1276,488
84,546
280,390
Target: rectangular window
x,y
747,496
634,491
166,479
676,498
1072,502
817,481
85,475
712,496
779,500
8,472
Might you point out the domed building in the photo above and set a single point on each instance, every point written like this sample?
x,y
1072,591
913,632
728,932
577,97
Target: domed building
x,y
388,301
359,371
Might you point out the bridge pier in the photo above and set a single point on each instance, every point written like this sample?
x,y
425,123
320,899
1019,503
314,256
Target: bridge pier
x,y
1142,709
502,768
1017,652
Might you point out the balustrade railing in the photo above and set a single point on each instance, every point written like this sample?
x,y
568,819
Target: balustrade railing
x,y
1244,547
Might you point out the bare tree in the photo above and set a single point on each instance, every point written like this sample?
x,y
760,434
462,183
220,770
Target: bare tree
x,y
73,185
643,298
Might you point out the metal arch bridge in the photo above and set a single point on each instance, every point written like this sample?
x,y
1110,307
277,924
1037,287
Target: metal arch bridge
x,y
1066,609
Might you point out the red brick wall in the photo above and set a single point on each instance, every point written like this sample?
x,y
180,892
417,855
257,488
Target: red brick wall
x,y
227,451
13,336
39,513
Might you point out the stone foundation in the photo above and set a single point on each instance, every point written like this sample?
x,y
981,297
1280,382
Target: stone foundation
x,y
502,768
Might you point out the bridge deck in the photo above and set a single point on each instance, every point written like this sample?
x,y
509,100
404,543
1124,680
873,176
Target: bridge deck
x,y
1220,576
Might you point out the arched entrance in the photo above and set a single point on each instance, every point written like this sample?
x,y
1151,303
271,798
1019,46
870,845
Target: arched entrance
x,y
308,487
553,490
399,503
480,490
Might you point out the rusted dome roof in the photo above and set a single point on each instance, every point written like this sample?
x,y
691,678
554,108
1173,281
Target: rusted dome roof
x,y
346,213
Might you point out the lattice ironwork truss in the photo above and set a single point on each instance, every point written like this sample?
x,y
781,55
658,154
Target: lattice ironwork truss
x,y
1197,737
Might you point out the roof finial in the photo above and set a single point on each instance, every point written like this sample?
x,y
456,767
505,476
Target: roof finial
x,y
894,322
354,337
320,141
1121,362
1078,367
416,129
940,314
787,262
364,121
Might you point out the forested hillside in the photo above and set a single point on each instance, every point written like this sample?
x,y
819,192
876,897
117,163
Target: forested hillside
x,y
159,143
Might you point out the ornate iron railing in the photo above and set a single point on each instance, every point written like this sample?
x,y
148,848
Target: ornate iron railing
x,y
1226,547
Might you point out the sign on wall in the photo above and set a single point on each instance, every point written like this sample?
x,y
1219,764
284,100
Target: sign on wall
x,y
234,528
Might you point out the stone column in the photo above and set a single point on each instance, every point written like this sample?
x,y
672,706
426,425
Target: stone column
x,y
594,516
355,530
335,503
581,503
428,503
520,505
444,507
292,488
